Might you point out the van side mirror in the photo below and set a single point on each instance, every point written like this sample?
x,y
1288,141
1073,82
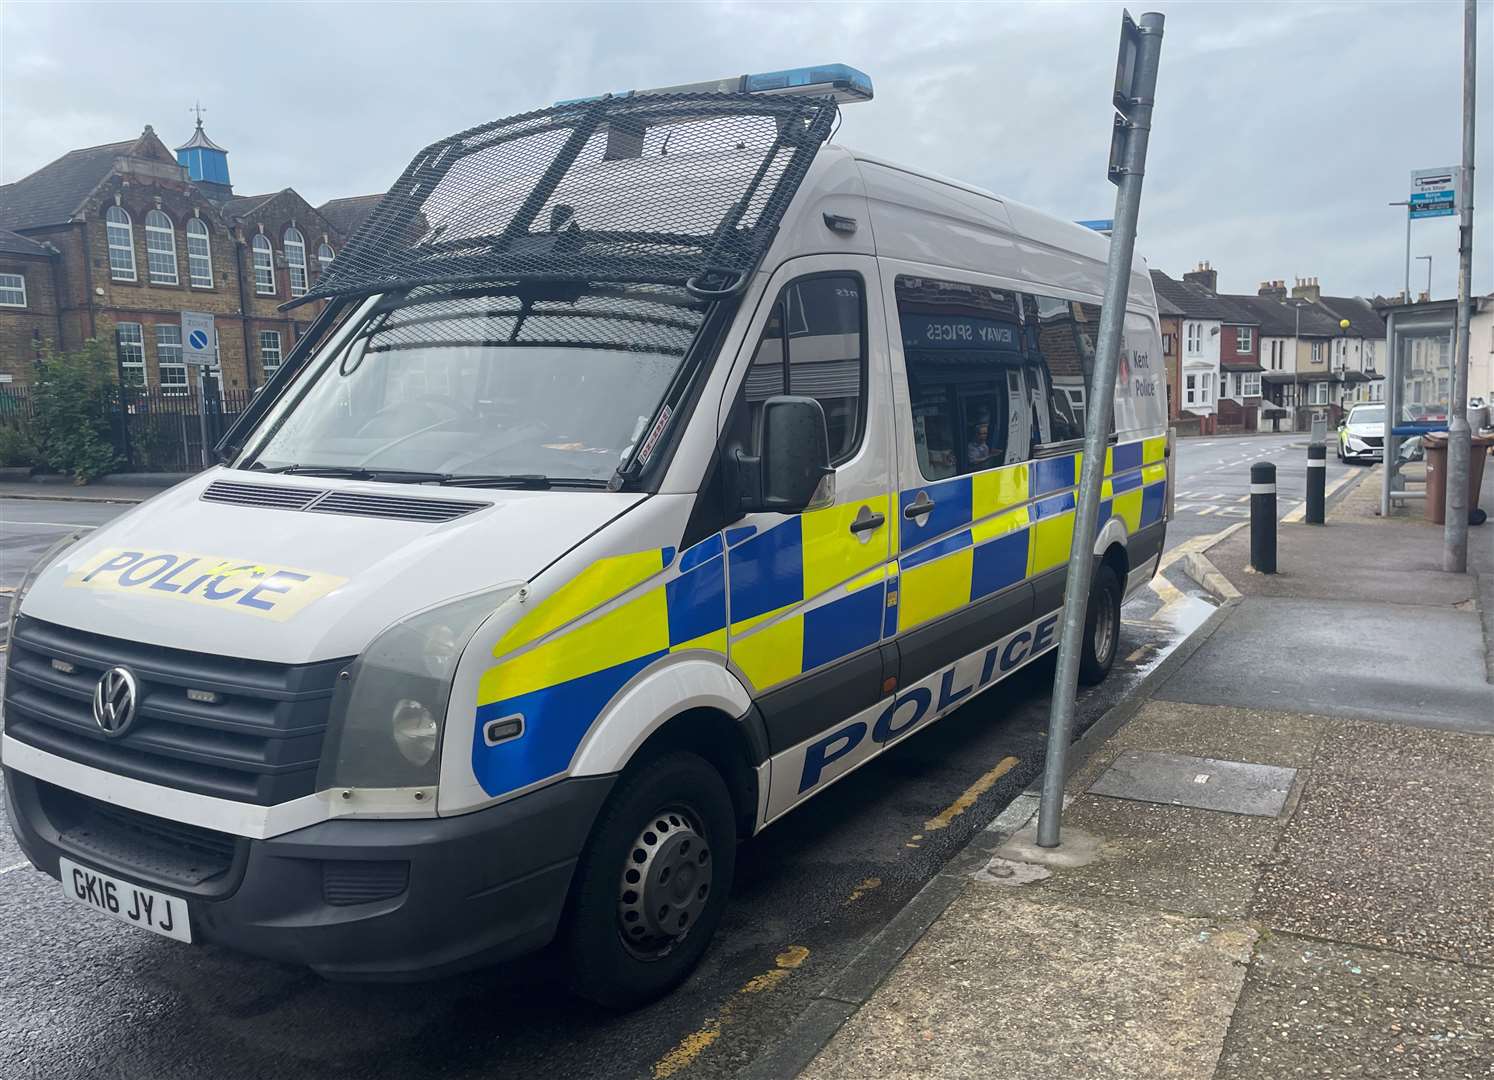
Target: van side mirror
x,y
792,472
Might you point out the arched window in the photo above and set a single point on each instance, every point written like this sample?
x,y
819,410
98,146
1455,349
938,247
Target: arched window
x,y
199,254
121,244
295,260
264,265
324,258
160,248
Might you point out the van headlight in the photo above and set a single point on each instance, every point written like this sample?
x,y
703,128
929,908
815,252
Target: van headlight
x,y
387,715
46,560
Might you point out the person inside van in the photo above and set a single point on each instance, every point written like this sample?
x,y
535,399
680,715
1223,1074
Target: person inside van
x,y
978,450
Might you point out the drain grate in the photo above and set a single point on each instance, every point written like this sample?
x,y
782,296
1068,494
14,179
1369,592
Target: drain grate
x,y
1231,787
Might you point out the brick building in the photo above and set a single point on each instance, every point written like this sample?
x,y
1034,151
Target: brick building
x,y
116,241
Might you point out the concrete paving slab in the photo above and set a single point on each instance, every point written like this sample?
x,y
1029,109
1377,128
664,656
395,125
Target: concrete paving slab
x,y
1330,657
1230,732
1327,1010
1232,787
1355,749
1404,863
1017,984
1378,561
1197,862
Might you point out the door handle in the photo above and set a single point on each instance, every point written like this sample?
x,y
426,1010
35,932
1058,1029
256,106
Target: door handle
x,y
920,506
868,522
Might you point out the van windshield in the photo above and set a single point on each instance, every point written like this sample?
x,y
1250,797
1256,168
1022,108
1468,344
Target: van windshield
x,y
552,382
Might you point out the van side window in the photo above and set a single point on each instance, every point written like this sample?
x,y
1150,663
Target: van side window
x,y
821,320
962,347
1062,336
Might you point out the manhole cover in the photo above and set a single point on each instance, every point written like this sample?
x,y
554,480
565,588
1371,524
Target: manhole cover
x,y
1233,787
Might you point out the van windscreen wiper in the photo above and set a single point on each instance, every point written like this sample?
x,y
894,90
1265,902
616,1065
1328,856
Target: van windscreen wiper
x,y
356,472
534,481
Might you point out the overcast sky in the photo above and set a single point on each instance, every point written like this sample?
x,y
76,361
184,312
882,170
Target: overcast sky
x,y
1281,130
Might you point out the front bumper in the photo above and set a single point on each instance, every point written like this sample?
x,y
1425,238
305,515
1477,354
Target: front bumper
x,y
448,894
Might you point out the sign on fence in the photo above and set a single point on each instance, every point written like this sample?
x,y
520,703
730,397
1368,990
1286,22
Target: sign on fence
x,y
197,339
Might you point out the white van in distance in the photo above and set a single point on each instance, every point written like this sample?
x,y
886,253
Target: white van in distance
x,y
655,463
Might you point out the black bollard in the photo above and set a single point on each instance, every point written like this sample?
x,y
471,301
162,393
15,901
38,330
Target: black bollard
x,y
1317,479
1263,517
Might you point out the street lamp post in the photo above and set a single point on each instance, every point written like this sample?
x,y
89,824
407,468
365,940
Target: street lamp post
x,y
1428,258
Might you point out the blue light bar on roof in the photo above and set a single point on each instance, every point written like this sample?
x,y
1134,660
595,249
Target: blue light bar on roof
x,y
1099,225
843,83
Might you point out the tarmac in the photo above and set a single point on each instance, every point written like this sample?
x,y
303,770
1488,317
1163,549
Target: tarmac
x,y
1281,866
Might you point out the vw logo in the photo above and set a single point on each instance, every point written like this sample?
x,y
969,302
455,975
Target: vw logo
x,y
114,701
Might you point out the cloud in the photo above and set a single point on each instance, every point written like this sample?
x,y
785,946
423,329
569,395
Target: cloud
x,y
1281,130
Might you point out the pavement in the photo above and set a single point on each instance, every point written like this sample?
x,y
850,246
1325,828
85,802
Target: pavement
x,y
1282,866
824,905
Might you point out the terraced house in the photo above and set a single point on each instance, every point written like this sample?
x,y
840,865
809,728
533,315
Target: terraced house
x,y
117,241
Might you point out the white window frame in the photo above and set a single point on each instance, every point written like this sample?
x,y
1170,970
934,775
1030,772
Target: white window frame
x,y
12,284
1198,388
262,254
129,341
324,257
295,260
1250,383
1244,339
266,348
198,231
157,255
1317,354
1194,332
1318,393
121,237
169,361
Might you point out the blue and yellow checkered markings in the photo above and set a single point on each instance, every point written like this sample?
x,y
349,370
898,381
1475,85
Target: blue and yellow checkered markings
x,y
560,664
843,626
1053,474
952,508
767,571
737,535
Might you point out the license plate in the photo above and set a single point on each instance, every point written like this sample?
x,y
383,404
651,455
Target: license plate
x,y
155,911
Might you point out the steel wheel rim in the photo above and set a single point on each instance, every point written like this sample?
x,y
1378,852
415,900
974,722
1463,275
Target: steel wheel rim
x,y
1104,638
665,882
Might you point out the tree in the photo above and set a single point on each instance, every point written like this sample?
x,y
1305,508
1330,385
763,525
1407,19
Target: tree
x,y
75,394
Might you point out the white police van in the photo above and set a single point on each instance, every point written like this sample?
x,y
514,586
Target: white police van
x,y
655,463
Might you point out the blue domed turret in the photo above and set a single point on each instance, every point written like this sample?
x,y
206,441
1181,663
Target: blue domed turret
x,y
206,163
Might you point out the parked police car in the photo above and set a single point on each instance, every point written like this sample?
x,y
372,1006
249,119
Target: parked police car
x,y
655,464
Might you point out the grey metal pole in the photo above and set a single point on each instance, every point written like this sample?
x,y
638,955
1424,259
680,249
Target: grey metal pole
x,y
1428,258
202,412
1407,204
1099,410
1455,531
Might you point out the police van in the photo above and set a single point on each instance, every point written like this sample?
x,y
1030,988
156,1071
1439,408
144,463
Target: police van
x,y
655,462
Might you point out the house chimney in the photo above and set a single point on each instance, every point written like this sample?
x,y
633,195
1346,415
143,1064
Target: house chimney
x,y
1205,275
1276,290
1307,289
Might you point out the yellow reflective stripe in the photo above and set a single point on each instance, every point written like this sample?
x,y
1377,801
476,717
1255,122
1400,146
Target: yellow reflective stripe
x,y
715,641
773,654
1107,489
1153,449
934,588
1051,538
1152,474
875,577
757,620
1109,461
1000,525
831,553
1127,507
590,589
632,629
998,489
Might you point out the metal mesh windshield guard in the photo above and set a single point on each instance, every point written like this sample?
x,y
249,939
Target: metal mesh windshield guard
x,y
681,190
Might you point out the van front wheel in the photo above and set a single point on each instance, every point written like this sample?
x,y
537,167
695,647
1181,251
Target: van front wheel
x,y
652,882
1102,619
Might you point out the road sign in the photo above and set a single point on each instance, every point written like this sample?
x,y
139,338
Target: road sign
x,y
1434,193
197,339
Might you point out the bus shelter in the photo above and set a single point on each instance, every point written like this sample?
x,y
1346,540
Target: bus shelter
x,y
1418,386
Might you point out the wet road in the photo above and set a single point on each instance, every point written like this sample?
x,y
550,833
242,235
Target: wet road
x,y
83,996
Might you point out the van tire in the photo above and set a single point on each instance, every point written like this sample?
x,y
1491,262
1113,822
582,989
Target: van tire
x,y
1098,654
684,793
